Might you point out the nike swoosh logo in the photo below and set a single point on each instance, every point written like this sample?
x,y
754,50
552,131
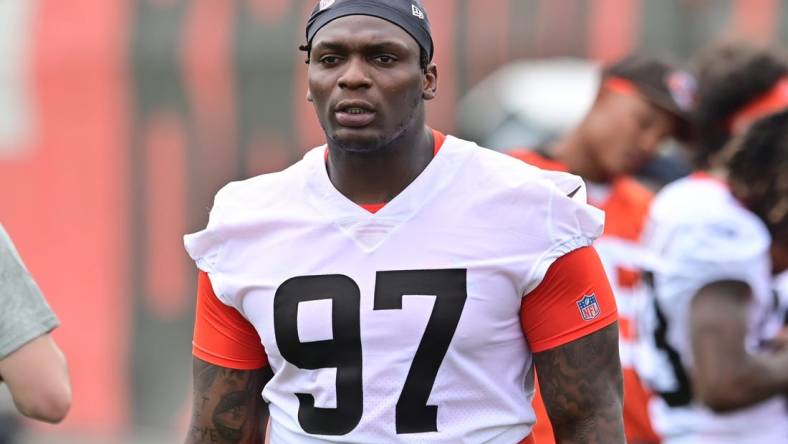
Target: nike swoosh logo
x,y
572,194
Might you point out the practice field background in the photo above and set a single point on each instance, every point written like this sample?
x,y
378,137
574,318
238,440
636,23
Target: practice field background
x,y
119,120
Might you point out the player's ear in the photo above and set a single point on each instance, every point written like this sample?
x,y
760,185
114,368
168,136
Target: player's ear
x,y
430,88
308,95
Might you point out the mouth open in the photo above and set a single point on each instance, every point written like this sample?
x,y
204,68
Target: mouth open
x,y
354,115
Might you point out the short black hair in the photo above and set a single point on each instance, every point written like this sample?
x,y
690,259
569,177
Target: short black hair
x,y
758,172
424,58
730,75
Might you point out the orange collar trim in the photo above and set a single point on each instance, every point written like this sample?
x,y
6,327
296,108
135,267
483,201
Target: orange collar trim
x,y
705,175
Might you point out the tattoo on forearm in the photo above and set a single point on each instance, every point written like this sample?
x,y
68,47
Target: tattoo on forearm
x,y
227,405
582,388
230,415
205,376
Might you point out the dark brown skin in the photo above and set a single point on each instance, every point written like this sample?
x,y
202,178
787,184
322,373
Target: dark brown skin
x,y
582,388
726,377
779,253
228,406
619,135
371,61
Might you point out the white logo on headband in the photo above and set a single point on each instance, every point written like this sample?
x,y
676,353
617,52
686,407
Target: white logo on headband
x,y
417,12
325,4
682,88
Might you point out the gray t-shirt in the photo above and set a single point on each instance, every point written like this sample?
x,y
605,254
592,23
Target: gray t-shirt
x,y
24,313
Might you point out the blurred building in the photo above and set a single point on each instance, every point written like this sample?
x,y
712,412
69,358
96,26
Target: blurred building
x,y
528,103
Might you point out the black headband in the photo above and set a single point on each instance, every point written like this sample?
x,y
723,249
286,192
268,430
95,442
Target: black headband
x,y
407,14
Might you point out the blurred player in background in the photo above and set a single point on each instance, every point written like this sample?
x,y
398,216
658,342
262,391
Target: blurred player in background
x,y
717,237
641,102
742,82
397,284
31,364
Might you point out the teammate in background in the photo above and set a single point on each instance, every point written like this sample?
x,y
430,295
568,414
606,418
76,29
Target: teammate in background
x,y
31,364
399,285
717,237
742,82
641,102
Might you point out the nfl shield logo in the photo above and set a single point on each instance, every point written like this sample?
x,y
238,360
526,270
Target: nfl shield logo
x,y
682,88
589,308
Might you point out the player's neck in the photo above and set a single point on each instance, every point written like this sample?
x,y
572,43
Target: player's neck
x,y
381,176
572,151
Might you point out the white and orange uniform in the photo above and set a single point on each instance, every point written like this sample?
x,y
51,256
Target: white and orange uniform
x,y
412,323
697,234
625,203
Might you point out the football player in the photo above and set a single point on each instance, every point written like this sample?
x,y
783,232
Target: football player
x,y
716,237
642,101
399,284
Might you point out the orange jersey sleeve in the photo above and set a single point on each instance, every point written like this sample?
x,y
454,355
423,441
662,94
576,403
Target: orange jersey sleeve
x,y
221,335
573,300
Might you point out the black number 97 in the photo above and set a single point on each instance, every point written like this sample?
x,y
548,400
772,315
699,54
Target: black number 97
x,y
343,352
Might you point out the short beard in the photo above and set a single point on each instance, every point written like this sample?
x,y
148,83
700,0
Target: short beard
x,y
385,142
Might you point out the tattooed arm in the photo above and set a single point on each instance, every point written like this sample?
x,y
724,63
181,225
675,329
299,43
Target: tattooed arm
x,y
228,406
582,388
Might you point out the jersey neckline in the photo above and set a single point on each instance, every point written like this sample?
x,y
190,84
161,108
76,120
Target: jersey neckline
x,y
362,225
406,202
438,139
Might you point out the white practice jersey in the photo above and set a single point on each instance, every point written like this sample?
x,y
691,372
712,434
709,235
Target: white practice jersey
x,y
403,325
698,233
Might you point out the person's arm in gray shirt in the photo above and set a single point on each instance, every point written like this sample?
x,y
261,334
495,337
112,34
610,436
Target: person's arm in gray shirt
x,y
31,364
